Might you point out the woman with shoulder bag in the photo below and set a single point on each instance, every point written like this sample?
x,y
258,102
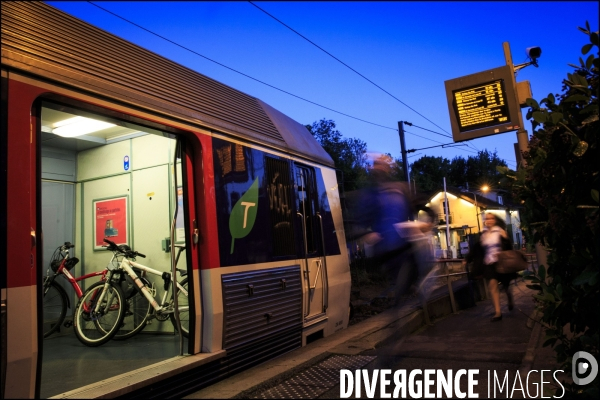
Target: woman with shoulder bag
x,y
494,240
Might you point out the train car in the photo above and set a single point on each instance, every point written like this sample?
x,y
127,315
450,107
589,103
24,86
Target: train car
x,y
104,139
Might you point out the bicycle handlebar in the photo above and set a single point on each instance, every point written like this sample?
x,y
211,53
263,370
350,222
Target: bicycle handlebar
x,y
123,249
67,245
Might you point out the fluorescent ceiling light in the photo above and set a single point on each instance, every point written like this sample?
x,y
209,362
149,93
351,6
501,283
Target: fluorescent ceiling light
x,y
78,126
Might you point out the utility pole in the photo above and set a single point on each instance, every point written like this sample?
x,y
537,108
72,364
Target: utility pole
x,y
403,148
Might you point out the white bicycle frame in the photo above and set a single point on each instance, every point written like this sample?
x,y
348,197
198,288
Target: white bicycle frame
x,y
126,264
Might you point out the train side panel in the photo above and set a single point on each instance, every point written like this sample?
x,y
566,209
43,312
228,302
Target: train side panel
x,y
267,235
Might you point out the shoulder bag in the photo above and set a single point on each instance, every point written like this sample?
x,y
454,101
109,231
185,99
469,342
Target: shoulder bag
x,y
510,261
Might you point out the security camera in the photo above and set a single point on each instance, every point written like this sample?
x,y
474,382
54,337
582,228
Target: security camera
x,y
534,52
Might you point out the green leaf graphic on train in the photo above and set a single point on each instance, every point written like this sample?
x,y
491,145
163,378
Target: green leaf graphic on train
x,y
243,214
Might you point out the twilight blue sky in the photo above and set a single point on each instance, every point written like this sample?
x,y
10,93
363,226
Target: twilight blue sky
x,y
407,48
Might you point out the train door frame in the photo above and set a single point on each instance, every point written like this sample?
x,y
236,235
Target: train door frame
x,y
23,103
187,166
191,233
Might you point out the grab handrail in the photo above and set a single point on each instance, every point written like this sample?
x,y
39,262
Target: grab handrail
x,y
306,270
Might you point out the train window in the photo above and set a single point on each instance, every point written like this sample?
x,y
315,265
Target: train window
x,y
279,188
307,204
233,162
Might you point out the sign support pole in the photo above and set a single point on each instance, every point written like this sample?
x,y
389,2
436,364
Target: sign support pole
x,y
523,143
522,138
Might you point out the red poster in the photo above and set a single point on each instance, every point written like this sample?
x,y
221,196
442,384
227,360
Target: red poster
x,y
110,217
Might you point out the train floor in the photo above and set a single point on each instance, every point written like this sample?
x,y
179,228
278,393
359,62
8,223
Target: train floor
x,y
68,364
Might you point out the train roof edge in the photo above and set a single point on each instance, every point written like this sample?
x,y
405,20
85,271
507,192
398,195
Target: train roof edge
x,y
296,135
41,40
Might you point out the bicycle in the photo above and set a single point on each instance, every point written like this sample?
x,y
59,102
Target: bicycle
x,y
96,318
56,301
138,310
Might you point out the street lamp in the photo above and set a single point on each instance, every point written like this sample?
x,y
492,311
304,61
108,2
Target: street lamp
x,y
476,212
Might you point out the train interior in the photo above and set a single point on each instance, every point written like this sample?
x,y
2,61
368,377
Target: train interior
x,y
102,177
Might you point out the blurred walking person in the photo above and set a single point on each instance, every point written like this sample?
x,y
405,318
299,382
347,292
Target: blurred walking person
x,y
400,246
382,205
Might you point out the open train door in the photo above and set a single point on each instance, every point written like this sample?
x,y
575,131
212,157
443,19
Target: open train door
x,y
3,224
21,236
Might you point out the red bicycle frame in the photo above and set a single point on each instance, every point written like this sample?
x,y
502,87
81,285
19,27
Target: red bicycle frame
x,y
74,281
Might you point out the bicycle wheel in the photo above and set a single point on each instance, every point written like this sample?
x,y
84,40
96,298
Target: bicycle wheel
x,y
184,309
54,308
137,311
99,314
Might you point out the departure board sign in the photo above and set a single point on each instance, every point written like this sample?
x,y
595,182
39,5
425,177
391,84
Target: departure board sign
x,y
482,104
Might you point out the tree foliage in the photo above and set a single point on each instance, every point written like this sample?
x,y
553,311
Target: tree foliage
x,y
349,155
429,172
559,189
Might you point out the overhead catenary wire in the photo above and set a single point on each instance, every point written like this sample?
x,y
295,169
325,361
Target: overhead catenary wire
x,y
239,72
346,65
441,145
428,130
441,134
437,133
356,72
252,78
422,137
414,155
